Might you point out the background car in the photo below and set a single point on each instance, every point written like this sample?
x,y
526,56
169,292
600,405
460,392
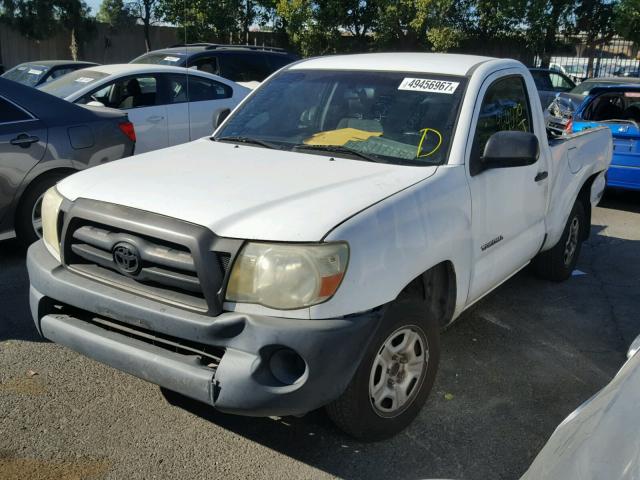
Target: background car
x,y
560,111
235,62
628,71
37,73
600,438
43,139
167,105
616,107
549,83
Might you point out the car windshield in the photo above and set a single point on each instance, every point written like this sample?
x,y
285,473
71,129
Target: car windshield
x,y
393,117
157,58
72,82
27,73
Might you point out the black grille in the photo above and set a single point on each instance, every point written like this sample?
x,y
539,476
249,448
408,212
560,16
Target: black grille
x,y
167,270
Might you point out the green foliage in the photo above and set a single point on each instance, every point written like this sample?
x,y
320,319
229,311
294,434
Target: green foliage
x,y
116,13
627,20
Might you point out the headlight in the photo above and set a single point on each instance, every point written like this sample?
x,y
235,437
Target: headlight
x,y
287,276
50,211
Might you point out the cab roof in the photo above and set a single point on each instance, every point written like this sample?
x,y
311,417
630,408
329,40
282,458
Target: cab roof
x,y
437,63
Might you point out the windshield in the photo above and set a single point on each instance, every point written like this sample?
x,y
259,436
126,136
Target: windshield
x,y
402,118
72,82
171,58
27,74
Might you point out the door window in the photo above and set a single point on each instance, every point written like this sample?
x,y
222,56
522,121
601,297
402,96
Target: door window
x,y
10,113
199,89
209,65
560,83
244,67
505,107
126,93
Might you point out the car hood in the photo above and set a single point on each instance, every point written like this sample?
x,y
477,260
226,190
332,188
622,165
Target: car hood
x,y
245,191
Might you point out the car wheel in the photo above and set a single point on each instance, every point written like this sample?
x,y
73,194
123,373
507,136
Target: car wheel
x,y
28,222
395,376
558,263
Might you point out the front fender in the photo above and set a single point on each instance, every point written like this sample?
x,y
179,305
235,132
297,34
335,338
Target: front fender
x,y
394,241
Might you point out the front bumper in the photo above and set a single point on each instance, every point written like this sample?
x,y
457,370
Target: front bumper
x,y
63,305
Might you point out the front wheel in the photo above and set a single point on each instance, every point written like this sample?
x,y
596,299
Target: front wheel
x,y
395,376
558,263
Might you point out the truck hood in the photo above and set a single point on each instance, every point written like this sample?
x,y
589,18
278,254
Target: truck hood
x,y
243,191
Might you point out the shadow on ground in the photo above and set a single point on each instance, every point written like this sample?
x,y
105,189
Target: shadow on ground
x,y
14,294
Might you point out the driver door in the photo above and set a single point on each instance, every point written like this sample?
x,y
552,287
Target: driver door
x,y
508,204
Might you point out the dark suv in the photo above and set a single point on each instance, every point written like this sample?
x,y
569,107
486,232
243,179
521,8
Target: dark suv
x,y
240,63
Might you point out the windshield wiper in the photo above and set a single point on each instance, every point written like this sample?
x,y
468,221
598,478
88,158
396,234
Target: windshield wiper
x,y
340,149
248,140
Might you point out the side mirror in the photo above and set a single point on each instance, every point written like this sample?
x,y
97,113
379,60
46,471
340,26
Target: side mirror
x,y
221,117
510,149
95,103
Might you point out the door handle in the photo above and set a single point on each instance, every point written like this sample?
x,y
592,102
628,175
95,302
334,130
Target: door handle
x,y
155,119
541,176
23,140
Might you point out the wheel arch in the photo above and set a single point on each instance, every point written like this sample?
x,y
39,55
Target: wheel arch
x,y
584,197
438,288
58,171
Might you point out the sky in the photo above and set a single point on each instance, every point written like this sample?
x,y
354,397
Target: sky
x,y
95,5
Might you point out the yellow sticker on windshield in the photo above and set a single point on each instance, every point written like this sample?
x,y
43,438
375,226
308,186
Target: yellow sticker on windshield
x,y
425,133
340,136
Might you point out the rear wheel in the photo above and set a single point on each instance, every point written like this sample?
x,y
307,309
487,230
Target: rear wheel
x,y
558,263
28,222
395,376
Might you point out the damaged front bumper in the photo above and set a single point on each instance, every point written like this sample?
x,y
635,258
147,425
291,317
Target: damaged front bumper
x,y
244,364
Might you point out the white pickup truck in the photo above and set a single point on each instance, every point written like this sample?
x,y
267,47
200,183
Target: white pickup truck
x,y
309,253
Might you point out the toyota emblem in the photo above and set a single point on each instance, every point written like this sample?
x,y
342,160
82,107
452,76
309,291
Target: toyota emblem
x,y
126,258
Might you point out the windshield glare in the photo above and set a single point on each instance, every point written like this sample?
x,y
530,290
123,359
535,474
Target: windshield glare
x,y
402,118
27,74
70,83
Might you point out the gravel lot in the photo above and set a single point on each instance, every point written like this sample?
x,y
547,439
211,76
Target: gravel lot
x,y
511,370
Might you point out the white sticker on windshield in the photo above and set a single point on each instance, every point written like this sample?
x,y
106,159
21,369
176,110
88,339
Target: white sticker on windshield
x,y
84,79
427,85
33,71
171,59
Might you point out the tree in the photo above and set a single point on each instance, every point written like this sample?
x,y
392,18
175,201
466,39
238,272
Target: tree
x,y
203,20
147,12
627,20
595,18
116,14
544,19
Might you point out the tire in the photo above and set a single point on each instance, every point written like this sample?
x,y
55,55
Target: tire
x,y
558,263
24,226
354,412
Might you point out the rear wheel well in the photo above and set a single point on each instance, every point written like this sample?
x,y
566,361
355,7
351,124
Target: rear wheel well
x,y
436,286
56,172
584,197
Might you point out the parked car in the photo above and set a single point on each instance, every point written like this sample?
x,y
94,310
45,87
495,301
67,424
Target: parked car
x,y
167,105
240,63
560,111
600,438
618,108
628,71
39,72
42,140
308,254
577,72
549,83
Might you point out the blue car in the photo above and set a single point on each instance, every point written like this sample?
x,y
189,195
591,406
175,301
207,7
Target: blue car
x,y
616,107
